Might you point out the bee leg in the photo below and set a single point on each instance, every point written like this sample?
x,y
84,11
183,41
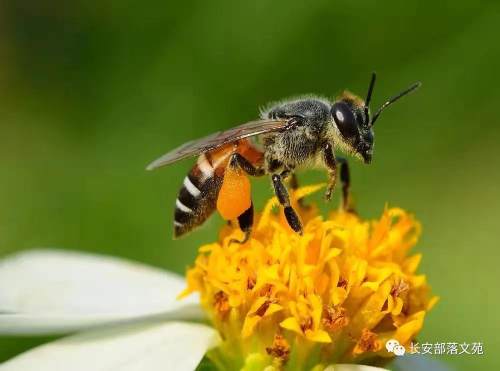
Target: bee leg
x,y
284,199
294,182
245,221
331,165
294,185
238,160
345,179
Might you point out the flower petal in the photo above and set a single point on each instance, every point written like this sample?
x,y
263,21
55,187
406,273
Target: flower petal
x,y
53,291
153,347
419,362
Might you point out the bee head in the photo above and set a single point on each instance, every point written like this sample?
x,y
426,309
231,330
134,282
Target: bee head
x,y
352,117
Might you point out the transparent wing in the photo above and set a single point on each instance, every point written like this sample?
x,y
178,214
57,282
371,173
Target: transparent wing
x,y
216,140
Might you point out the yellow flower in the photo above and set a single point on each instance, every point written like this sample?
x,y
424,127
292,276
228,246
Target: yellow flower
x,y
335,294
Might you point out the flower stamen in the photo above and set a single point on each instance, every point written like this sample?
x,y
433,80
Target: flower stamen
x,y
334,318
368,342
221,304
280,348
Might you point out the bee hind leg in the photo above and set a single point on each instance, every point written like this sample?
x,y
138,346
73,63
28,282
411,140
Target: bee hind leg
x,y
245,221
241,162
284,199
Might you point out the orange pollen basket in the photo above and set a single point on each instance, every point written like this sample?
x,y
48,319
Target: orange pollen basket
x,y
235,194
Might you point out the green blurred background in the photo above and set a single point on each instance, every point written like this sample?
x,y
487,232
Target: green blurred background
x,y
91,92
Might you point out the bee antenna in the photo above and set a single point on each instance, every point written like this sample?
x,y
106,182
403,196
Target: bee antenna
x,y
369,97
394,99
370,89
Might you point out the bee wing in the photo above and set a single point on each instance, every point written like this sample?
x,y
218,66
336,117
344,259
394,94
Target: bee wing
x,y
218,139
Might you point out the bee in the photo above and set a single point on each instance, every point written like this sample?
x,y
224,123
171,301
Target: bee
x,y
292,135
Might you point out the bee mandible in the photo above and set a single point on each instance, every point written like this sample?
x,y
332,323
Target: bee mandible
x,y
292,134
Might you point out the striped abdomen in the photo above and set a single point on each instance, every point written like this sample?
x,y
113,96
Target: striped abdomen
x,y
200,190
197,198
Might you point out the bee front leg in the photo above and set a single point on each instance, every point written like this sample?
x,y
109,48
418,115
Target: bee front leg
x,y
331,165
284,199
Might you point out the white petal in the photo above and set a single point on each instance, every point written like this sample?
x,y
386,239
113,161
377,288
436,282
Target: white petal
x,y
55,291
349,367
419,362
154,347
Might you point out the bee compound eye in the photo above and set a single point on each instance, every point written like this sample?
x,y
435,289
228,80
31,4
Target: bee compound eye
x,y
345,119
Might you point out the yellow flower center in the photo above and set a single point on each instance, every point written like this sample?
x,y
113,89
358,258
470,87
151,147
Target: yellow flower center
x,y
335,294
